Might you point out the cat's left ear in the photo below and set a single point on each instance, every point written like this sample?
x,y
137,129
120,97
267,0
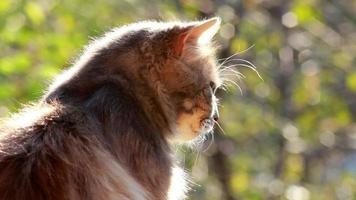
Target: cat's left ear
x,y
199,33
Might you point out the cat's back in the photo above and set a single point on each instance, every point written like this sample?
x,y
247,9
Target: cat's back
x,y
49,152
33,155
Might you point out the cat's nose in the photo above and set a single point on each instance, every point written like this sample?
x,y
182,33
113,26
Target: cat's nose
x,y
216,116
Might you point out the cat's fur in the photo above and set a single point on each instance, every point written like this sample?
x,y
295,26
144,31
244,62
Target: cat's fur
x,y
101,132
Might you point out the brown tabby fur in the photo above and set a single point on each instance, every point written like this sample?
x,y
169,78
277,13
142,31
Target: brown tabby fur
x,y
101,131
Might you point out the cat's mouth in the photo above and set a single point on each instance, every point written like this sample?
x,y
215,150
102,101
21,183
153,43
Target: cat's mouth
x,y
190,126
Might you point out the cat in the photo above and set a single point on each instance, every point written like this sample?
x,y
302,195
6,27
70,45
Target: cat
x,y
104,128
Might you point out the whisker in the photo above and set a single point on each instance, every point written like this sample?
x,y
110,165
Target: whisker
x,y
229,81
252,68
196,157
248,66
211,142
232,72
218,125
218,102
199,144
237,53
234,83
243,60
223,87
232,76
229,67
225,61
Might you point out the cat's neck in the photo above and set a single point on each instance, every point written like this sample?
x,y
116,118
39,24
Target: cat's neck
x,y
128,134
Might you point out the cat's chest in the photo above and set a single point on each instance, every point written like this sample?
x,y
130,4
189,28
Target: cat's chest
x,y
178,185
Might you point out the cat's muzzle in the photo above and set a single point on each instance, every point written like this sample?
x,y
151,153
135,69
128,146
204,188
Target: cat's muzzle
x,y
206,125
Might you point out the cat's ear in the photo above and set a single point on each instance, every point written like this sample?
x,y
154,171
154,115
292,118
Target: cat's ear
x,y
199,33
204,31
179,45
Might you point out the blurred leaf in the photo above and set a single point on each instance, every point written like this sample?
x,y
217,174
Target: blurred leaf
x,y
240,182
239,45
17,63
35,12
7,90
305,11
294,167
4,5
351,81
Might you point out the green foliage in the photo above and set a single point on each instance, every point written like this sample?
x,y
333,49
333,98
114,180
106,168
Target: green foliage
x,y
289,136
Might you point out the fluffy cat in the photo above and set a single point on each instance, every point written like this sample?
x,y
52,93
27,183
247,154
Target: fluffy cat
x,y
102,131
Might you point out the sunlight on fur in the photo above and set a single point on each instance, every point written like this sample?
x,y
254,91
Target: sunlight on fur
x,y
179,186
102,129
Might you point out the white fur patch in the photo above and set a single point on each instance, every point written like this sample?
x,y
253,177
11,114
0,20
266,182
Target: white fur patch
x,y
116,182
178,187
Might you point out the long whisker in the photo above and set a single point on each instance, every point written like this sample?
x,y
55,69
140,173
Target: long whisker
x,y
211,142
227,59
218,125
249,65
199,142
252,68
223,87
232,72
237,53
243,60
228,67
196,158
227,76
232,82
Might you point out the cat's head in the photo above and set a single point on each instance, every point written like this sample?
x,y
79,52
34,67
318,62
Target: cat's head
x,y
184,75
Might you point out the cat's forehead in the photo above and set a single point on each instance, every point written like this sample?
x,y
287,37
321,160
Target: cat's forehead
x,y
204,67
191,72
202,59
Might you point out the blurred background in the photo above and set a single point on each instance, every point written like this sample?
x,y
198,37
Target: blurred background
x,y
289,136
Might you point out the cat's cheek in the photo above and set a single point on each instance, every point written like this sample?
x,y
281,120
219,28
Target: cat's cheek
x,y
188,125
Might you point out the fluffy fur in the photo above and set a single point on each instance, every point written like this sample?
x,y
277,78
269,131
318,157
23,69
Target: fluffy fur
x,y
101,131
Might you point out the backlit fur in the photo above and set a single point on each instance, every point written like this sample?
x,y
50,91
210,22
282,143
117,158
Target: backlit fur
x,y
101,131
